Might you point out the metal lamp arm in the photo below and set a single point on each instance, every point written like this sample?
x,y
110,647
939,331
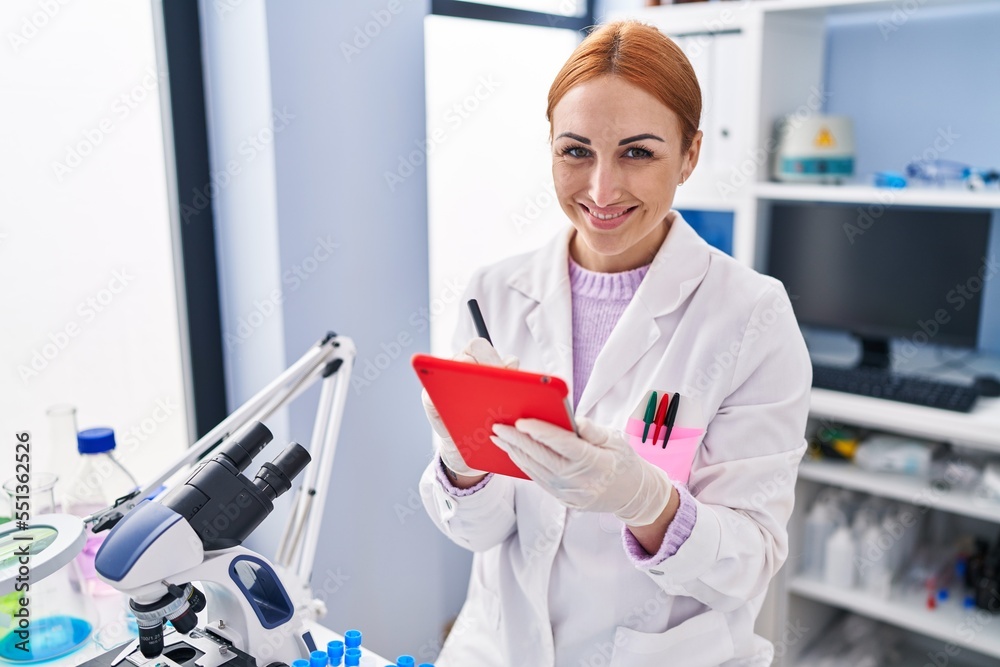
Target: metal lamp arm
x,y
330,358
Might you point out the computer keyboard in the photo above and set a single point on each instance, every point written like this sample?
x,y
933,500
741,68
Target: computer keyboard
x,y
894,387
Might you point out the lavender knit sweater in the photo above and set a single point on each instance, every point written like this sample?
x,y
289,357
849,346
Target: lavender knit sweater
x,y
599,299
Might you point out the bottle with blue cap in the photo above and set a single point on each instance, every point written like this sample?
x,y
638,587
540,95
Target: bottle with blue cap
x,y
100,479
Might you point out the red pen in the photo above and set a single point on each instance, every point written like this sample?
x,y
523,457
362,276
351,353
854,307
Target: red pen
x,y
661,414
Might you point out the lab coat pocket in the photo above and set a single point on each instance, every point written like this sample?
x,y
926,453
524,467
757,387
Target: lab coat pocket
x,y
678,455
491,610
702,641
658,414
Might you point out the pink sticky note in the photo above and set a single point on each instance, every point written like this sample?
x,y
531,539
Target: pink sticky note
x,y
676,458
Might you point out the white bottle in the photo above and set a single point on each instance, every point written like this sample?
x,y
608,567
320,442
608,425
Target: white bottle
x,y
838,569
819,526
99,480
874,562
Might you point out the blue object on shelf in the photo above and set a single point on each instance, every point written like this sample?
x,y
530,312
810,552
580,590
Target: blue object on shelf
x,y
716,227
889,179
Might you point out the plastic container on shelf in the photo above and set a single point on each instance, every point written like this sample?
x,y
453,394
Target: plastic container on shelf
x,y
99,480
824,518
838,569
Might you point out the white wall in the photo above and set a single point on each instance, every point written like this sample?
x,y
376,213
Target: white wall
x,y
90,310
358,106
347,255
242,125
490,168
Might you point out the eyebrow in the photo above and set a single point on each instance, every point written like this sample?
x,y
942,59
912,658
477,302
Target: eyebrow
x,y
584,140
638,137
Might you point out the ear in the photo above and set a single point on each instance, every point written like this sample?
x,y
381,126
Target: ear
x,y
691,156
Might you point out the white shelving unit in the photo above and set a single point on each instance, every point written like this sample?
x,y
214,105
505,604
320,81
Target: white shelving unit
x,y
901,487
757,61
863,194
949,622
979,428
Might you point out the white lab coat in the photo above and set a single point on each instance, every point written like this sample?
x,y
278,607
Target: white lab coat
x,y
554,587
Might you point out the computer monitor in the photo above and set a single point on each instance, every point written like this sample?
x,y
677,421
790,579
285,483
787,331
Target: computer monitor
x,y
904,271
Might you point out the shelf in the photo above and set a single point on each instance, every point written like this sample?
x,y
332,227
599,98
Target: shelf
x,y
979,428
948,623
863,194
692,19
712,17
837,7
900,487
912,656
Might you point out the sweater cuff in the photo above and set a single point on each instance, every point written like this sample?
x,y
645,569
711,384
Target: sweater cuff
x,y
453,490
677,533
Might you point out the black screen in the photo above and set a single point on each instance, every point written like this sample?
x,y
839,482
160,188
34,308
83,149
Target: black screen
x,y
882,275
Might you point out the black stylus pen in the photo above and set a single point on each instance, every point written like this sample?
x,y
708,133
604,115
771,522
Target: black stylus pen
x,y
477,318
675,403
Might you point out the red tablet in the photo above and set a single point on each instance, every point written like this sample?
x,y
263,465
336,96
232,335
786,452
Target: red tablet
x,y
471,398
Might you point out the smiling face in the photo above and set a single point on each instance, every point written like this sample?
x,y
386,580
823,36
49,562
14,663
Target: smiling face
x,y
617,159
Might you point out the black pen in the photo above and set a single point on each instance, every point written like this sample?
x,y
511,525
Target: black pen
x,y
675,402
477,318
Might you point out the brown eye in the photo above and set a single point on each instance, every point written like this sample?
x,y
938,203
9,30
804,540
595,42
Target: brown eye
x,y
575,151
638,152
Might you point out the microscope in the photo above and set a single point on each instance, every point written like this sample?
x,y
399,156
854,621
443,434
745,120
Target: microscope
x,y
157,553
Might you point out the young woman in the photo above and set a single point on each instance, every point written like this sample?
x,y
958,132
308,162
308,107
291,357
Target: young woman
x,y
602,558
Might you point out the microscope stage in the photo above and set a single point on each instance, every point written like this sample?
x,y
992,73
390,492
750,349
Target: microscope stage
x,y
197,649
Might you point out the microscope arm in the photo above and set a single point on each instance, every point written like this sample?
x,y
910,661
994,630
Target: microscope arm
x,y
331,357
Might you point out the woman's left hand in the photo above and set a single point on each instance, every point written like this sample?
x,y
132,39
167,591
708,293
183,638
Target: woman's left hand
x,y
597,471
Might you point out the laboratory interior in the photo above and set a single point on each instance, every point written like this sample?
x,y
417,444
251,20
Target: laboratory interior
x,y
305,363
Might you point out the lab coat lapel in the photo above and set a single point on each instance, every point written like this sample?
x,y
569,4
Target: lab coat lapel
x,y
676,271
544,278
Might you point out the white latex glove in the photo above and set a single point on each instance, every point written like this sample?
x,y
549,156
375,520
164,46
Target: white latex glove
x,y
596,472
478,351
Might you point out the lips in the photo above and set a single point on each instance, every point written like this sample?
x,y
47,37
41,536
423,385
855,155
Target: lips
x,y
607,218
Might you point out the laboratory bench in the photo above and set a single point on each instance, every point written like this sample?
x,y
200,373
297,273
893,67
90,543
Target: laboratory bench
x,y
113,628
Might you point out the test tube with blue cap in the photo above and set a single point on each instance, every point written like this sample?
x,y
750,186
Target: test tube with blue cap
x,y
318,659
352,657
335,651
300,663
352,639
405,661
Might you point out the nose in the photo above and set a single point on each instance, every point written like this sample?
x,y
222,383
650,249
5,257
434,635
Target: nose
x,y
605,182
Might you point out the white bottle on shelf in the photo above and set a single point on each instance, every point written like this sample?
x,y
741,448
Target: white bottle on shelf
x,y
820,524
838,567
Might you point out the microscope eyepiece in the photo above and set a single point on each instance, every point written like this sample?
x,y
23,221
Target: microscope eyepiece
x,y
276,477
245,445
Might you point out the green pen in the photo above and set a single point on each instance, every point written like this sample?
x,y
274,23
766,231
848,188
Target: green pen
x,y
650,415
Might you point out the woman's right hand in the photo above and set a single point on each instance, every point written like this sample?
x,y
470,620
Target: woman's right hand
x,y
478,351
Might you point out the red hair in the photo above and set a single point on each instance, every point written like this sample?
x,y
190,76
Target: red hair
x,y
643,56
